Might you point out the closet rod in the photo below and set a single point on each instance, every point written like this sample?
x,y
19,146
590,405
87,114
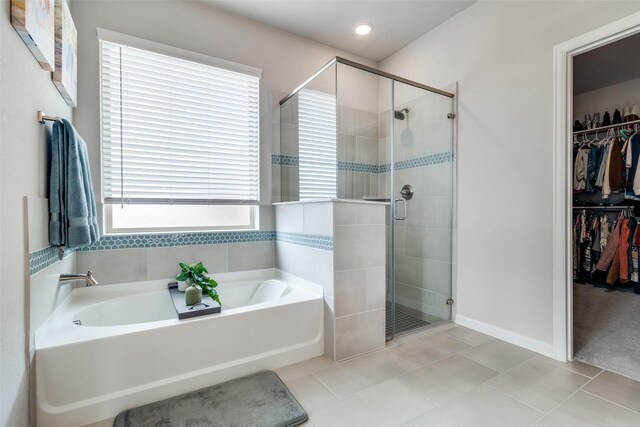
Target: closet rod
x,y
601,128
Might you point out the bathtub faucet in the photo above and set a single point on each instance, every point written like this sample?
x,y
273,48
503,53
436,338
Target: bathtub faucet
x,y
88,278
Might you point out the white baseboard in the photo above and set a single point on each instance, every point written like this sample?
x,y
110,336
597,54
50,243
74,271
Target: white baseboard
x,y
505,335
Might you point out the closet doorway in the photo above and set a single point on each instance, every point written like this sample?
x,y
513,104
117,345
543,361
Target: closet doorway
x,y
605,199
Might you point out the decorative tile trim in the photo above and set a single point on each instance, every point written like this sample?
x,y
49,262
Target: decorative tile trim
x,y
358,167
433,159
43,258
46,257
282,160
309,240
135,241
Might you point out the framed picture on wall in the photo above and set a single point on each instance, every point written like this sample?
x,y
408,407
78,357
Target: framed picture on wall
x,y
34,21
65,76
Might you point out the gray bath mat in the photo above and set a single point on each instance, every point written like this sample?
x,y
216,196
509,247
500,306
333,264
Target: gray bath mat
x,y
259,400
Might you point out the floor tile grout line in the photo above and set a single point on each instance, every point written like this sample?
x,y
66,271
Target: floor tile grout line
x,y
415,368
567,398
421,395
326,386
501,372
513,398
610,401
543,358
338,399
466,342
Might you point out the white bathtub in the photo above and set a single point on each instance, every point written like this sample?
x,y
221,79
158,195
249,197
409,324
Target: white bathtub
x,y
131,349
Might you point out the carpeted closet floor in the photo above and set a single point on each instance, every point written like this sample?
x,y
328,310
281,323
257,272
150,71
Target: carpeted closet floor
x,y
606,329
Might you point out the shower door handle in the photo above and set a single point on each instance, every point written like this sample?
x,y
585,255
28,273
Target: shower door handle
x,y
395,210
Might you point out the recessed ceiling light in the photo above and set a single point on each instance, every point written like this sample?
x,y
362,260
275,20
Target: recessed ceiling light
x,y
363,29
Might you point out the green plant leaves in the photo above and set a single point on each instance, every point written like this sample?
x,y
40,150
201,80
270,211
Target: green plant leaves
x,y
195,275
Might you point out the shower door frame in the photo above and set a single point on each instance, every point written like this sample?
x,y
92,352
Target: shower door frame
x,y
393,79
392,211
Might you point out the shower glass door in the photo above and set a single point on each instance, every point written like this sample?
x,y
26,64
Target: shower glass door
x,y
421,209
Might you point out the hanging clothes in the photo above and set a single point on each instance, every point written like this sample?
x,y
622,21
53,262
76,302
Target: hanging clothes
x,y
580,170
610,250
617,169
623,248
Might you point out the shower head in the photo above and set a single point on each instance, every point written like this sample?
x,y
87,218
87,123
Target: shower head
x,y
401,114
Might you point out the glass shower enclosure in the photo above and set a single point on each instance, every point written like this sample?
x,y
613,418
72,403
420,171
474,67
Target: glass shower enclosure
x,y
354,132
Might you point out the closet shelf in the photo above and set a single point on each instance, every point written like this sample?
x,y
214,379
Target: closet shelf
x,y
601,128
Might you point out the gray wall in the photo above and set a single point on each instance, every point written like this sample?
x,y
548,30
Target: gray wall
x,y
25,88
501,55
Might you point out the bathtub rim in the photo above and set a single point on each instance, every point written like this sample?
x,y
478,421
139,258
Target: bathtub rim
x,y
58,329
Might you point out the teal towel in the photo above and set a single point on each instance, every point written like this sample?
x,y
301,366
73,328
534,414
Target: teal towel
x,y
72,206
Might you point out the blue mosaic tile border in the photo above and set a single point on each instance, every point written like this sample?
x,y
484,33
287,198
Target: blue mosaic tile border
x,y
43,258
134,241
433,159
312,241
282,160
358,167
49,256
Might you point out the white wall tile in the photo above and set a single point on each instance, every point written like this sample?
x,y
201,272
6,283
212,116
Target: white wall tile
x,y
329,330
430,243
349,289
421,212
46,293
370,213
407,270
318,219
359,246
251,256
435,276
289,184
276,189
375,288
312,264
117,266
345,213
359,333
162,263
290,218
346,337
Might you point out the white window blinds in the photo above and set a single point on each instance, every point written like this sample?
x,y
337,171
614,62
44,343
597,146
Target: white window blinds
x,y
317,130
176,131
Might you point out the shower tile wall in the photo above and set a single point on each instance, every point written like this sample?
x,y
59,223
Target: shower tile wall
x,y
359,278
358,159
314,264
423,159
285,156
352,273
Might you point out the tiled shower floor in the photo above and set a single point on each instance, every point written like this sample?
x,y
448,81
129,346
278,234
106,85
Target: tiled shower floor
x,y
404,322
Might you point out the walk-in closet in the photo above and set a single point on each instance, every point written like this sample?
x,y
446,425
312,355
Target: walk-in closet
x,y
606,207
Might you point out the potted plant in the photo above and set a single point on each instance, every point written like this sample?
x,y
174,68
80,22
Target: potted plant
x,y
196,276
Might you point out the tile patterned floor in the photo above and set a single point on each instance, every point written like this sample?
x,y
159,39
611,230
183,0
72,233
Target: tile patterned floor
x,y
453,376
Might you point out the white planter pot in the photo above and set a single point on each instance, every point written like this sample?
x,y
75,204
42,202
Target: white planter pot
x,y
182,286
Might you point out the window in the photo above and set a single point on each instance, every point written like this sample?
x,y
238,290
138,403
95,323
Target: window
x,y
317,144
180,138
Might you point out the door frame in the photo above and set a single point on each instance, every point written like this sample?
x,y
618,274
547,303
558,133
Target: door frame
x,y
562,192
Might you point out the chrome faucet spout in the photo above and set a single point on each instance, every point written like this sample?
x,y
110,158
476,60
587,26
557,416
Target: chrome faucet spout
x,y
88,278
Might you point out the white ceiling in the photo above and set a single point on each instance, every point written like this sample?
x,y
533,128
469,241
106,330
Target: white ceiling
x,y
614,63
396,22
